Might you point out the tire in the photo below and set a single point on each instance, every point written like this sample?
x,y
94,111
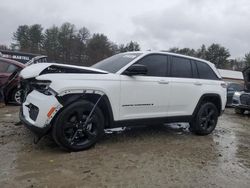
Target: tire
x,y
69,130
205,120
16,96
239,111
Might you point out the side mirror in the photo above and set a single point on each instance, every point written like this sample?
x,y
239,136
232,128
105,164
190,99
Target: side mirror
x,y
136,69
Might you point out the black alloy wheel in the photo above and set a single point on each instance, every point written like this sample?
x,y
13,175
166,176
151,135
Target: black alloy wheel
x,y
76,129
205,120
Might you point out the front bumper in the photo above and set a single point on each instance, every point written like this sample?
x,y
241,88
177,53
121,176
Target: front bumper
x,y
36,130
34,111
238,102
241,106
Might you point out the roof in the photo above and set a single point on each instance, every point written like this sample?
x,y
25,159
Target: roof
x,y
178,55
171,53
230,74
12,62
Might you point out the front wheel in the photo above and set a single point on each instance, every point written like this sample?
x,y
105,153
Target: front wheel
x,y
74,130
205,120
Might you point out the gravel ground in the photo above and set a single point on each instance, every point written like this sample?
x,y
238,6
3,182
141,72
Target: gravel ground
x,y
156,156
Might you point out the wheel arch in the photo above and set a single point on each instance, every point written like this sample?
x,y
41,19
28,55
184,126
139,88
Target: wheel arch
x,y
209,97
104,104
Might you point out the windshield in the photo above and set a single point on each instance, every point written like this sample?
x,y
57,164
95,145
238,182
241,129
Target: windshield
x,y
116,62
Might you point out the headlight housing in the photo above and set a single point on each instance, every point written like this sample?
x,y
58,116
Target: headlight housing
x,y
43,87
237,93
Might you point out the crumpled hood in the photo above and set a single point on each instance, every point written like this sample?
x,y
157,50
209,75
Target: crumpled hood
x,y
54,68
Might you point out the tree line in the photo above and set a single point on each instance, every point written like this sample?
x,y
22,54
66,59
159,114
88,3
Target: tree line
x,y
67,44
217,54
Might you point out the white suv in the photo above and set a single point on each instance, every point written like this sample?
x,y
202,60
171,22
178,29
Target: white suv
x,y
77,103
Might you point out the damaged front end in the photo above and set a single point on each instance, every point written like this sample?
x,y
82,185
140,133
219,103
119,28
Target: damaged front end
x,y
40,102
39,105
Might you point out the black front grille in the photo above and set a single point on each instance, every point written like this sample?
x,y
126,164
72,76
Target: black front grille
x,y
245,99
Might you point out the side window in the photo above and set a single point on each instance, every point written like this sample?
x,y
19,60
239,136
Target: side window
x,y
181,67
11,68
156,65
3,66
205,72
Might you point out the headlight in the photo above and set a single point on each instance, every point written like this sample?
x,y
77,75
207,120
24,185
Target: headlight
x,y
43,87
237,93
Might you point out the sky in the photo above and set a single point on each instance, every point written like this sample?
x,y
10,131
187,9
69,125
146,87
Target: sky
x,y
154,24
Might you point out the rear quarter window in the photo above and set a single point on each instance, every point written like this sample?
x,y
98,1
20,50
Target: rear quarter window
x,y
205,71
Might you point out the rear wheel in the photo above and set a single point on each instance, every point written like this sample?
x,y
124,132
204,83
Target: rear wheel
x,y
205,120
239,111
74,130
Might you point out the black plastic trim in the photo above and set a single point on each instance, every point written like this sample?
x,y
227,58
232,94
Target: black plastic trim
x,y
70,98
151,121
202,99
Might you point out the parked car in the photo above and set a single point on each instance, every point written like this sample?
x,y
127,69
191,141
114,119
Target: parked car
x,y
11,91
76,104
241,100
231,89
37,59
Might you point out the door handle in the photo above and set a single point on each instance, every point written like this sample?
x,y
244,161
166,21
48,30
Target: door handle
x,y
163,82
197,83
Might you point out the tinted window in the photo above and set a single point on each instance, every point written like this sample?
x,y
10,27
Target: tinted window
x,y
156,65
3,66
235,87
205,72
11,68
181,67
116,62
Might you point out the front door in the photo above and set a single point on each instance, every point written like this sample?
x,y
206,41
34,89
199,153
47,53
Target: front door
x,y
146,96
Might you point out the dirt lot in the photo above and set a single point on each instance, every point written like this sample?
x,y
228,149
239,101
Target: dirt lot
x,y
163,156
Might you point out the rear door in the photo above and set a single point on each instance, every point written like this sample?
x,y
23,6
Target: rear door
x,y
146,96
185,88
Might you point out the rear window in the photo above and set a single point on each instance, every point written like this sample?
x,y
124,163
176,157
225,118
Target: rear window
x,y
205,71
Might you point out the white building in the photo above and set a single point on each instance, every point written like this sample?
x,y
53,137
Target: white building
x,y
231,76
